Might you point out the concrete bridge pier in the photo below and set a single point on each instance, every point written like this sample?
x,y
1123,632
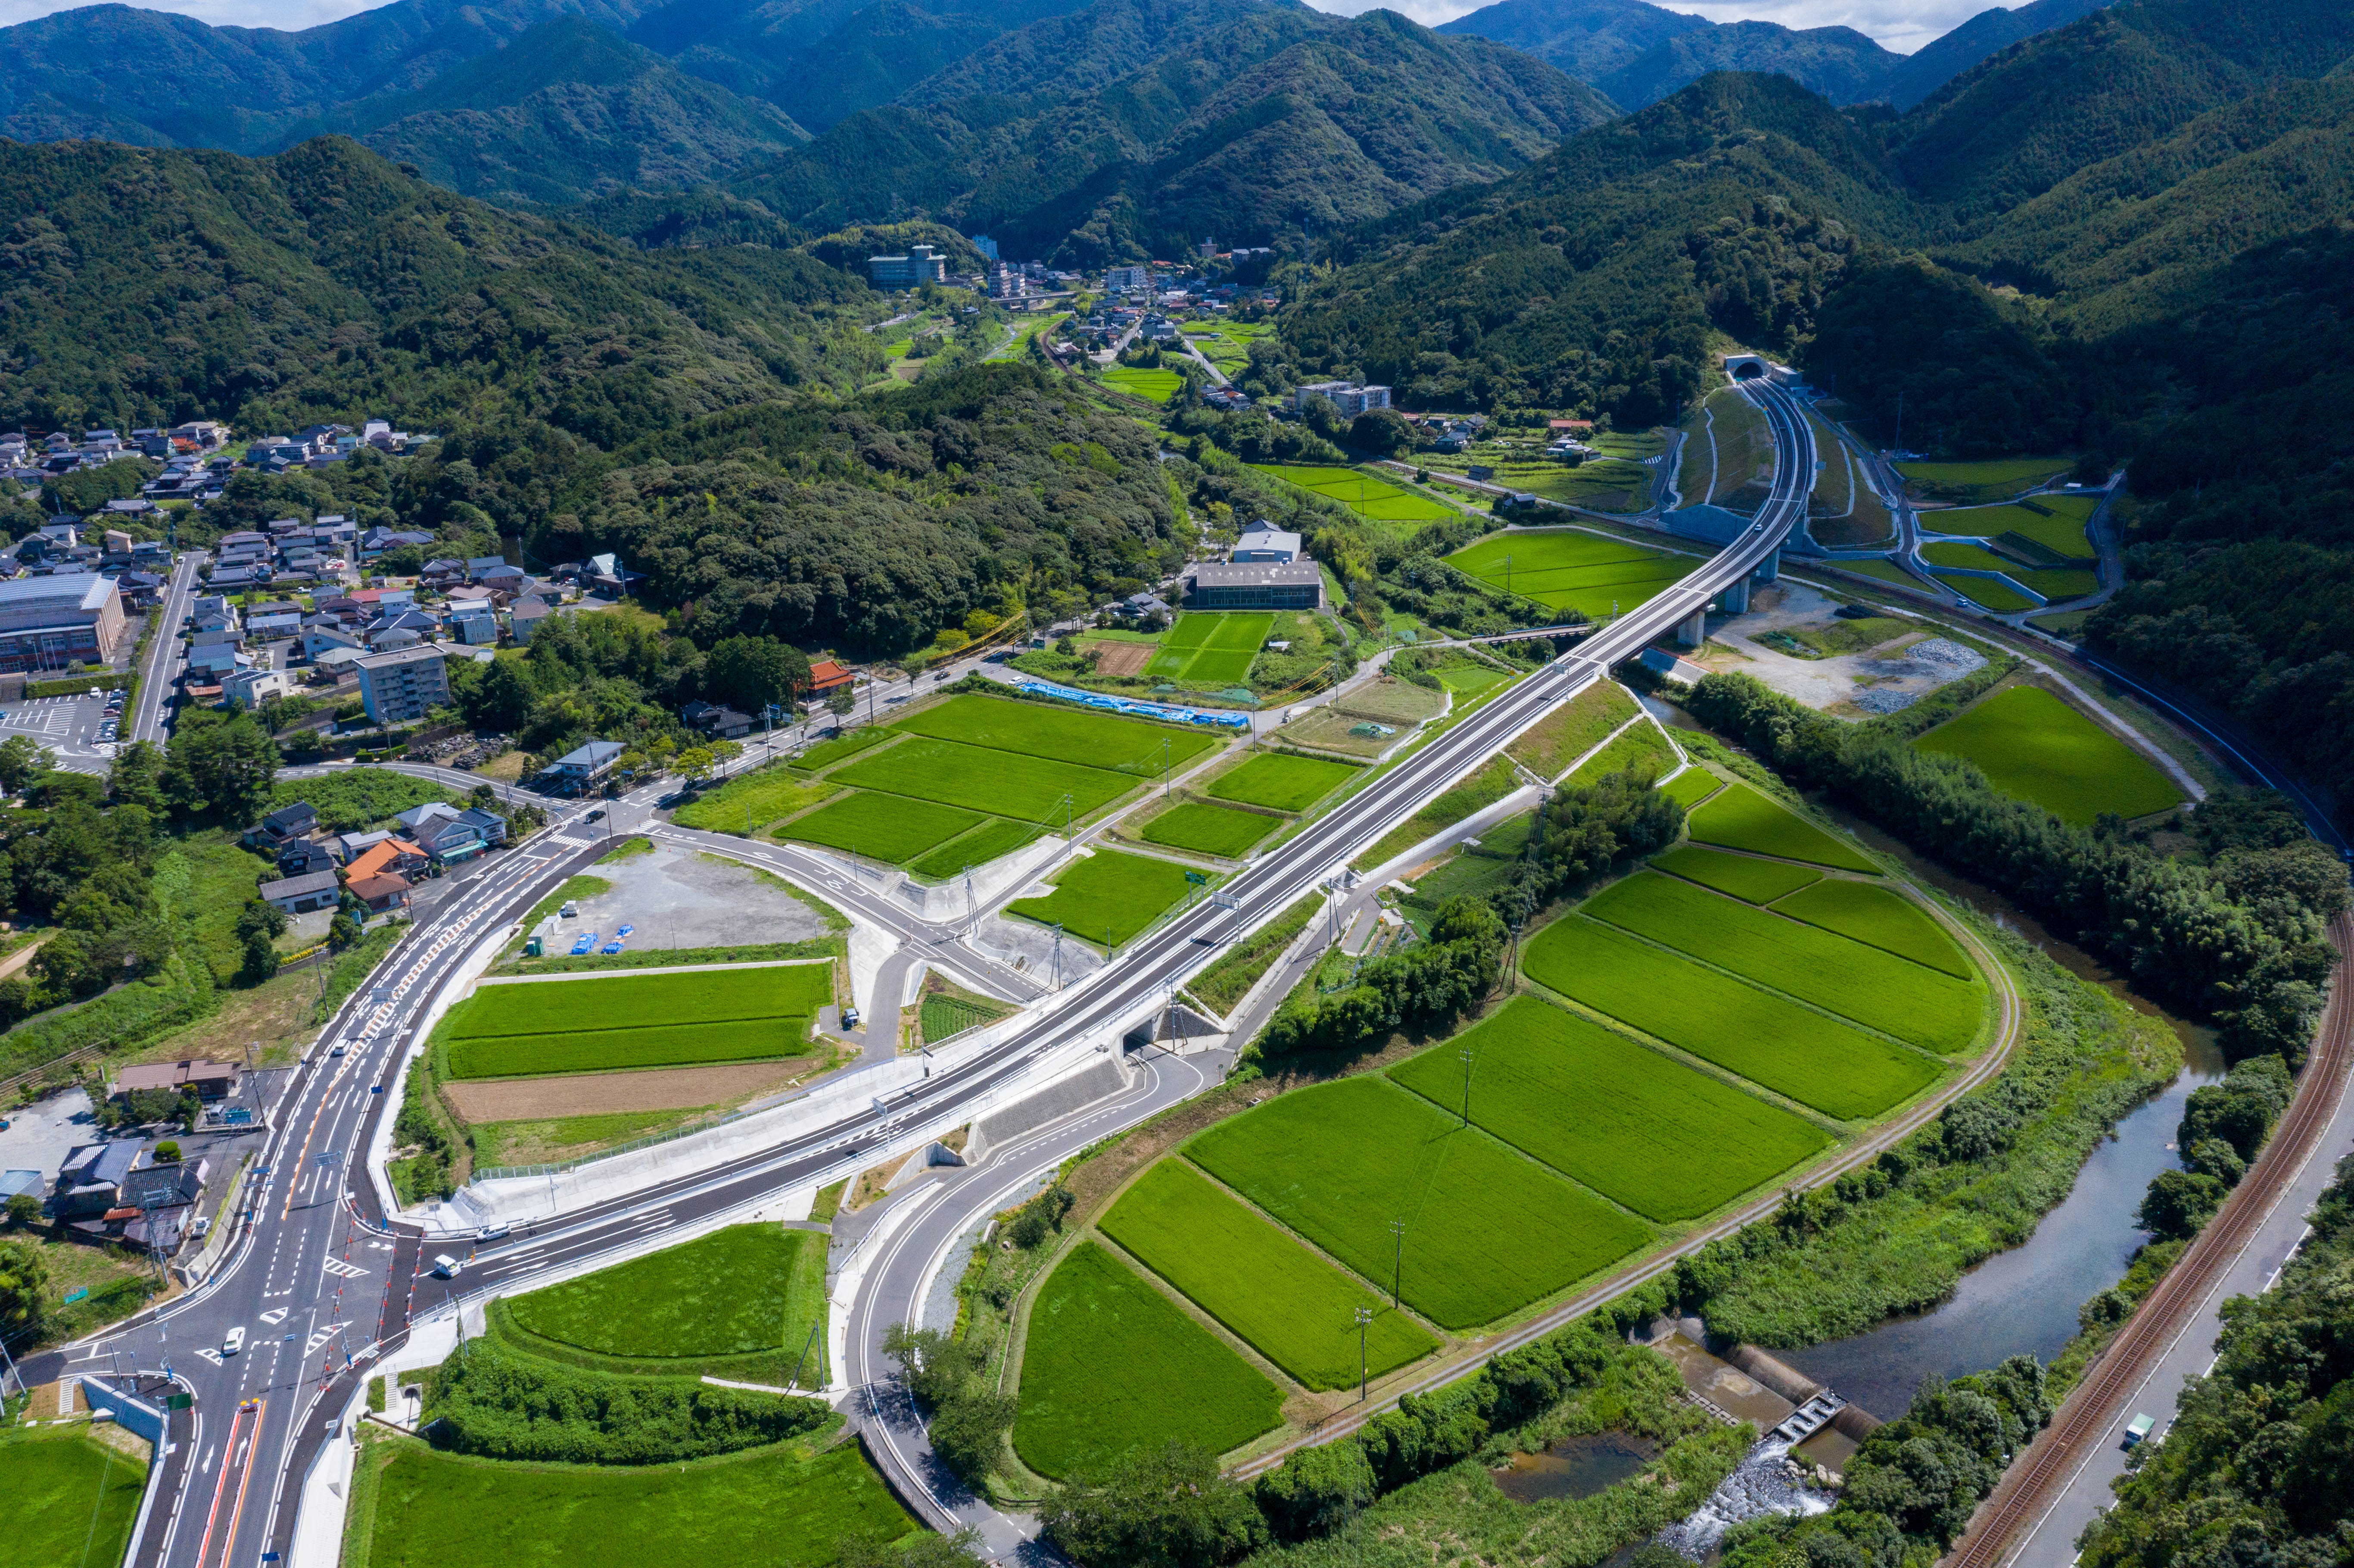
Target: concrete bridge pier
x,y
1692,631
1735,599
1769,570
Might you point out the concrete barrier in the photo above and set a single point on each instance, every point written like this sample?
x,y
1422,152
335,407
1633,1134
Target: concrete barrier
x,y
1099,1080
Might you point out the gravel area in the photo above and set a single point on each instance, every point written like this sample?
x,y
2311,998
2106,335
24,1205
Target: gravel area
x,y
679,897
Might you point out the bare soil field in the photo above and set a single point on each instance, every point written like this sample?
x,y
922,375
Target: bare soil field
x,y
596,1093
1122,658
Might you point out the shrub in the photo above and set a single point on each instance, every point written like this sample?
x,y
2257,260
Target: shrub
x,y
491,1402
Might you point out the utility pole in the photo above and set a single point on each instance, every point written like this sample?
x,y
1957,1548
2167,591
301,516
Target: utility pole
x,y
1059,958
1397,1259
1364,1319
1164,767
1466,1053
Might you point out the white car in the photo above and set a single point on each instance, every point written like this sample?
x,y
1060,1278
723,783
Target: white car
x,y
233,1341
447,1267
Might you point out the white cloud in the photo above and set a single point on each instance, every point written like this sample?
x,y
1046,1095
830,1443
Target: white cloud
x,y
1903,25
291,15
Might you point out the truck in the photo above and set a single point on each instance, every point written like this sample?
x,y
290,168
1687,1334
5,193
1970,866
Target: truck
x,y
2138,1428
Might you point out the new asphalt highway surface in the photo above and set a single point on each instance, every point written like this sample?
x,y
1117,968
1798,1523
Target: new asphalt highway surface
x,y
323,1284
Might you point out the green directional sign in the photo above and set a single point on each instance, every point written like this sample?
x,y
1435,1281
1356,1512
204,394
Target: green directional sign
x,y
1196,879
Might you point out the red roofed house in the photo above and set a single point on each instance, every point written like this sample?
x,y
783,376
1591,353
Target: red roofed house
x,y
826,675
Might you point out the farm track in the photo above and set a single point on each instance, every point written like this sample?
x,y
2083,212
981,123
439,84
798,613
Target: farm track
x,y
1868,1149
2042,1473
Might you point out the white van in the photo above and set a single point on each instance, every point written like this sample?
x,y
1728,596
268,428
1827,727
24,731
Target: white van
x,y
447,1267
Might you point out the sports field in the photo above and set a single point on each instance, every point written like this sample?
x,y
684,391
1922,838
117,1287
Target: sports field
x,y
2056,522
1486,1231
983,844
1282,781
1568,569
1873,987
71,1500
1618,1116
1816,1061
745,1290
777,1507
1987,481
1292,1307
1989,593
1742,817
2031,743
1112,1365
1059,732
999,783
1213,648
1107,896
751,801
1204,828
1362,493
881,827
1881,916
1643,746
643,1019
1693,786
1160,385
1743,876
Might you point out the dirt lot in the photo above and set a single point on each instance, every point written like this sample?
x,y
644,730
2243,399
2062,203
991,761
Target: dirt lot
x,y
1876,680
680,898
1121,657
594,1094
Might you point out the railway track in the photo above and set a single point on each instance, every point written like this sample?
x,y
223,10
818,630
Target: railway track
x,y
2036,1481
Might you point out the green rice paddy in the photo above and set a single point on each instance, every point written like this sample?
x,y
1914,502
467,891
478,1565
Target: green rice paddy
x,y
1643,746
1743,876
1880,571
1741,818
1987,481
1989,593
621,1050
826,753
1816,1061
1486,1232
71,1500
1291,1306
1618,1116
644,998
997,783
1282,781
983,844
1159,385
1569,570
1693,786
2057,584
1059,732
881,827
1222,831
2031,743
1111,1365
2054,522
1881,916
751,801
1107,896
1362,493
1974,557
742,1290
1211,649
1816,965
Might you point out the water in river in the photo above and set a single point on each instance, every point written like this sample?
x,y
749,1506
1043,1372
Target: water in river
x,y
1575,1467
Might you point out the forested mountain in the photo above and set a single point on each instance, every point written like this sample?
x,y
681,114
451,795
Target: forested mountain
x,y
1838,62
1587,38
1083,51
569,111
142,287
1935,64
1281,119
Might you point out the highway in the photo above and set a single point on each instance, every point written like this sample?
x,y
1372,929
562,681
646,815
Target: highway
x,y
317,1275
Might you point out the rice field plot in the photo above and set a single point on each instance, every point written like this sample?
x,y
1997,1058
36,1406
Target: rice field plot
x,y
2056,583
1693,786
1111,1365
1212,648
1837,1070
1107,896
1568,569
1603,485
71,1498
782,1506
1360,492
1287,1303
1392,700
1618,1116
1224,831
617,1050
2054,522
1879,916
994,783
751,801
1816,965
1743,876
1743,819
984,843
1059,733
1155,385
1486,1231
1281,782
1987,481
644,998
2031,743
1882,571
753,1290
1987,593
826,753
1972,557
881,827
1643,746
1548,746
1469,681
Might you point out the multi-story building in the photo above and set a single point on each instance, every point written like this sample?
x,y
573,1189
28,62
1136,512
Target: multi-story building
x,y
921,264
404,684
1349,398
52,622
1118,279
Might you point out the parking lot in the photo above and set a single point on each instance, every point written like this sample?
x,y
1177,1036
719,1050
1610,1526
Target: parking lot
x,y
82,730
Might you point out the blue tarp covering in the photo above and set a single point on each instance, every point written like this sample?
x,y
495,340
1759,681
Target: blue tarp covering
x,y
1166,711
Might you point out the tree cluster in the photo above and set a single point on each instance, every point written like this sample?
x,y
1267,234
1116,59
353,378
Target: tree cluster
x,y
1420,987
2246,950
2223,1127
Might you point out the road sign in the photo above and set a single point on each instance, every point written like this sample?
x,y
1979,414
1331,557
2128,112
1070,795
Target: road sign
x,y
1196,879
178,1401
1225,901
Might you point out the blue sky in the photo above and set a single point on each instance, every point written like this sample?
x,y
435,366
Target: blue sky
x,y
1900,25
